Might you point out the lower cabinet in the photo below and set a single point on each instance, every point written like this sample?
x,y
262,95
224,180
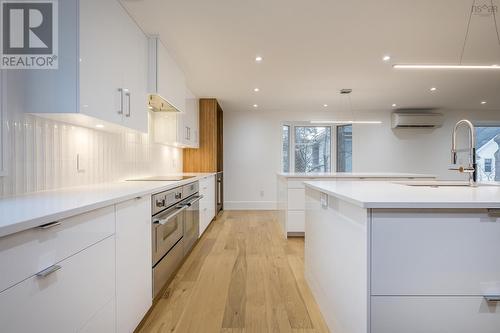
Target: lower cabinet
x,y
207,204
77,294
424,314
133,263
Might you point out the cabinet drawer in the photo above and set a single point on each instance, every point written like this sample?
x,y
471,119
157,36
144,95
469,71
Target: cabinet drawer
x,y
296,221
296,199
435,253
28,252
66,300
434,315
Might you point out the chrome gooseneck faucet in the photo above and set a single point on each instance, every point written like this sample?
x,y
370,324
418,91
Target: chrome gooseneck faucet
x,y
471,169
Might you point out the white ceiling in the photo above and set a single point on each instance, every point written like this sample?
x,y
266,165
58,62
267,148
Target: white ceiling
x,y
313,48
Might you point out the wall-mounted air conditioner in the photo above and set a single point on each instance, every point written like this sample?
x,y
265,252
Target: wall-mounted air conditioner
x,y
417,120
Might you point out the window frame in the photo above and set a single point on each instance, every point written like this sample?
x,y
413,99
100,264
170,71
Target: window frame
x,y
491,123
337,160
291,153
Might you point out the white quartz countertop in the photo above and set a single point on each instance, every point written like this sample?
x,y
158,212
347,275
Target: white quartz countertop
x,y
354,175
386,194
18,213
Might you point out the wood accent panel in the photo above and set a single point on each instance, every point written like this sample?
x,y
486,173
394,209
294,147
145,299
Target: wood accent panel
x,y
208,157
242,276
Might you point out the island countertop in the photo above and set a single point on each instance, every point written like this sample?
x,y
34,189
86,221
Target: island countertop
x,y
360,175
22,212
385,194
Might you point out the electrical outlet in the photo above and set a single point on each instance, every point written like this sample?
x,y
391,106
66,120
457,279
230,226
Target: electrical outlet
x,y
323,200
80,164
261,193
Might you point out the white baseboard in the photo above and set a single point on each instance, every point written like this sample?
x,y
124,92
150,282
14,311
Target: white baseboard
x,y
250,205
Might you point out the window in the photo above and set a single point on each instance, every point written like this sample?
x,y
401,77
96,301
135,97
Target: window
x,y
286,148
487,165
488,152
344,148
312,148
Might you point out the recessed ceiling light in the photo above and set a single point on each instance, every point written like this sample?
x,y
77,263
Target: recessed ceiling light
x,y
386,58
483,102
256,89
433,89
394,105
325,105
99,126
258,58
255,105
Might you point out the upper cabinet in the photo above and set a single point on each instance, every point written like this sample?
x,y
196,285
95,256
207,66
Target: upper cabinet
x,y
166,79
178,129
102,79
175,107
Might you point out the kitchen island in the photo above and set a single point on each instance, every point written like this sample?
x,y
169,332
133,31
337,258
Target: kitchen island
x,y
291,193
387,257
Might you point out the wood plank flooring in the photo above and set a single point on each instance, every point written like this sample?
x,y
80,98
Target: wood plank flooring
x,y
242,277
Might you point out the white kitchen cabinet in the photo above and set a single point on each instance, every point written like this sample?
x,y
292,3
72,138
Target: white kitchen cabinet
x,y
166,78
190,122
418,252
133,263
207,204
102,77
424,314
167,82
26,253
70,299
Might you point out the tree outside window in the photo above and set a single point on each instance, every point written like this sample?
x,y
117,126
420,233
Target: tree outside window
x,y
313,148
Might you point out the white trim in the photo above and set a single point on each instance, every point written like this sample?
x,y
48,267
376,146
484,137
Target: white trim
x,y
250,205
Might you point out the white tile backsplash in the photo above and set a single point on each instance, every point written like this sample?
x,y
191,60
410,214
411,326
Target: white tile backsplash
x,y
41,154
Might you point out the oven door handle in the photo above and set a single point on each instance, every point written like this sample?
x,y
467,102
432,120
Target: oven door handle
x,y
171,216
195,200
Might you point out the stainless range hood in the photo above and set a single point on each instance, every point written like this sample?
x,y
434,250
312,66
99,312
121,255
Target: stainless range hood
x,y
157,103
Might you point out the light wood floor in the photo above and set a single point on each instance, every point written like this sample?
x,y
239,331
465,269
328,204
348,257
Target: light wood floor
x,y
242,276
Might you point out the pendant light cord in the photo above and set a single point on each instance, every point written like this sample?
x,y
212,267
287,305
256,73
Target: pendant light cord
x,y
467,31
468,27
495,20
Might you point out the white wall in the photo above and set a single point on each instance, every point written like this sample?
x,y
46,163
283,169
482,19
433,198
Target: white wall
x,y
252,145
40,154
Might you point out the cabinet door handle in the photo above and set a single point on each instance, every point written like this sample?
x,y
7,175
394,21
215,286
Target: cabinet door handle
x,y
120,111
128,100
46,272
49,225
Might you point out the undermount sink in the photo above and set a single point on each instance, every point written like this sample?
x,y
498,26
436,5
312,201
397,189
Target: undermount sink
x,y
443,183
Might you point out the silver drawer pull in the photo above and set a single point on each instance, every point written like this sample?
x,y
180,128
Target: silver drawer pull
x,y
46,272
492,298
49,225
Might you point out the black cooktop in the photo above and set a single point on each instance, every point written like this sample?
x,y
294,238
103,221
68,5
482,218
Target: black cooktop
x,y
163,178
